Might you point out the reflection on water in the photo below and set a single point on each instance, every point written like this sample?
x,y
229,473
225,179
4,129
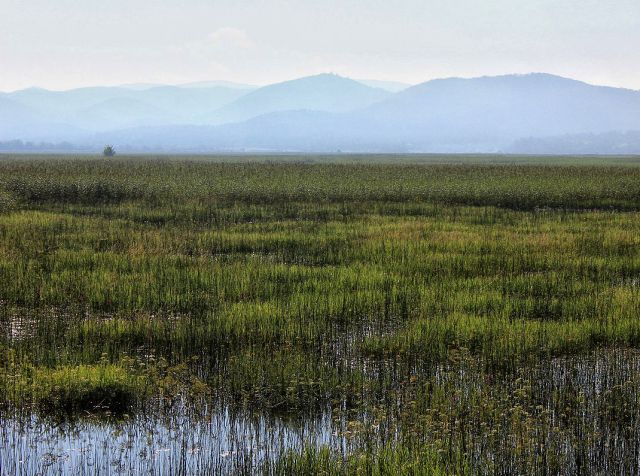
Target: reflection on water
x,y
177,443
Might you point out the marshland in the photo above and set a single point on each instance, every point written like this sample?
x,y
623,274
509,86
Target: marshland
x,y
330,315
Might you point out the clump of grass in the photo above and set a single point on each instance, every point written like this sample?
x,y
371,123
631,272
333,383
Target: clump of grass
x,y
86,388
72,389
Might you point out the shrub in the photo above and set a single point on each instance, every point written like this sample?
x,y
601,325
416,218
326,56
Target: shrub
x,y
109,151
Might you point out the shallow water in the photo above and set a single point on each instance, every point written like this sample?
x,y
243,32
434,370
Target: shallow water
x,y
177,443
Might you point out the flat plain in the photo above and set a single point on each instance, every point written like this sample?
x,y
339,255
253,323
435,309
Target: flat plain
x,y
320,315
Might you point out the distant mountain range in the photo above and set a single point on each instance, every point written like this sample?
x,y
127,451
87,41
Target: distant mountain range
x,y
324,113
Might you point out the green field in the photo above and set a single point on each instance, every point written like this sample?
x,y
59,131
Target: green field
x,y
433,315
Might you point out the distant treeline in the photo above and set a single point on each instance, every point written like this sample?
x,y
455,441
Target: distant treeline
x,y
28,146
610,143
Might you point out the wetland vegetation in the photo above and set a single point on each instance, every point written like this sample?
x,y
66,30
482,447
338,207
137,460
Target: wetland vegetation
x,y
320,315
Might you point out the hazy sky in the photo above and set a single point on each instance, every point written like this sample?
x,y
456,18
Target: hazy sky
x,y
69,43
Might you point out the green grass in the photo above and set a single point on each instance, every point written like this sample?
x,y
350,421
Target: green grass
x,y
387,461
372,291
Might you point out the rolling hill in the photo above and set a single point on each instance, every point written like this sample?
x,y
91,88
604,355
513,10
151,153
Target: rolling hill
x,y
107,108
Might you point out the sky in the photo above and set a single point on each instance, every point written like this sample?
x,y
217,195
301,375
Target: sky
x,y
65,44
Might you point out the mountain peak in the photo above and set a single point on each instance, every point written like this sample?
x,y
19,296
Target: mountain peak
x,y
321,78
325,92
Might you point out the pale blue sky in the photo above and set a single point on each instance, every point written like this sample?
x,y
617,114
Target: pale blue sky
x,y
69,43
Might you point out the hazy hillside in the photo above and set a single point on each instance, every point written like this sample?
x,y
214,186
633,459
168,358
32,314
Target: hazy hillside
x,y
391,86
11,110
225,84
13,118
187,104
119,112
106,108
324,92
495,110
20,121
59,104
